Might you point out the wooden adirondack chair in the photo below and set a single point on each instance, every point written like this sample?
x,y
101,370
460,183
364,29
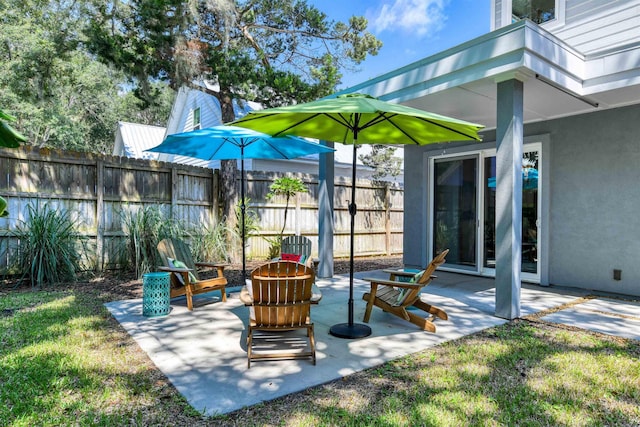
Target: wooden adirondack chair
x,y
280,298
396,296
297,245
177,259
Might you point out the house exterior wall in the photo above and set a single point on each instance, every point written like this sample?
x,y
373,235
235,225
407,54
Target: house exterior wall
x,y
594,25
592,203
587,25
595,199
210,113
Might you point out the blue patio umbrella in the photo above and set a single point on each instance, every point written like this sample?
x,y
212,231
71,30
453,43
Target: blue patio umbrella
x,y
529,179
230,143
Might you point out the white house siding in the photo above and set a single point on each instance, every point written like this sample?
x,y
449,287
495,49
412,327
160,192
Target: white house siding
x,y
594,25
497,15
210,113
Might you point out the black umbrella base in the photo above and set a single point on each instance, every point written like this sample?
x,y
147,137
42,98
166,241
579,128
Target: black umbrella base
x,y
349,331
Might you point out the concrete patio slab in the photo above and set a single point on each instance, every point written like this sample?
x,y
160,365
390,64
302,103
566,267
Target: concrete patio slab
x,y
203,352
604,315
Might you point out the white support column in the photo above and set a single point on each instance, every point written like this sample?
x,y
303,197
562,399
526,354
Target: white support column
x,y
325,213
509,140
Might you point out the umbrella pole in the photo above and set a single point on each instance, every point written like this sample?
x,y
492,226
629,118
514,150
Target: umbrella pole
x,y
242,213
351,329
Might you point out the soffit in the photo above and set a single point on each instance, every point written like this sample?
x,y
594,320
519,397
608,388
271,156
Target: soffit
x,y
558,81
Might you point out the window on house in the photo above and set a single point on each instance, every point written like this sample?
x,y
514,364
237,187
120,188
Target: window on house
x,y
538,11
196,119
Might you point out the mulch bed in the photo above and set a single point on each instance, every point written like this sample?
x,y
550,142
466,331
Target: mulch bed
x,y
113,286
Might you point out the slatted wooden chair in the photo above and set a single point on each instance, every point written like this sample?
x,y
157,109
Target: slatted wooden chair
x,y
177,259
280,298
395,296
299,246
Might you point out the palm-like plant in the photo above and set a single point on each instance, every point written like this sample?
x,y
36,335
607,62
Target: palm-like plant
x,y
50,250
287,187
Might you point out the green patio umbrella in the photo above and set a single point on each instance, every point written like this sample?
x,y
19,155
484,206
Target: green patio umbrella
x,y
359,119
9,137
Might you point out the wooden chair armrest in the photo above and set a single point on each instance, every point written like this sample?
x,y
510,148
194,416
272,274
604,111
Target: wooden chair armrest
x,y
175,269
184,272
316,294
393,283
211,264
400,272
245,297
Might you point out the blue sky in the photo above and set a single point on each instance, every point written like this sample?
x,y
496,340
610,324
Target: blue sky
x,y
409,29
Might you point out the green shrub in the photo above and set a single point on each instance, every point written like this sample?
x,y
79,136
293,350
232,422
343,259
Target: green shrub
x,y
49,249
144,228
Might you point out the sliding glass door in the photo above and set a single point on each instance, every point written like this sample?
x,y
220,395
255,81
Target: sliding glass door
x,y
455,211
530,209
464,211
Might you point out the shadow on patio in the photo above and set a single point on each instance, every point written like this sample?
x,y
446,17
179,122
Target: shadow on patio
x,y
203,352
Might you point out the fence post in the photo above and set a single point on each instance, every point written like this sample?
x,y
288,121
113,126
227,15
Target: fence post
x,y
100,214
387,218
215,197
174,192
298,213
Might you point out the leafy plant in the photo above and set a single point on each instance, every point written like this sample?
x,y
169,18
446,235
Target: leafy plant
x,y
9,137
275,245
251,222
288,187
50,250
144,228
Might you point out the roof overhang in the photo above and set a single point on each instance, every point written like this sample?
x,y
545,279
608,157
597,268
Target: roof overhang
x,y
558,80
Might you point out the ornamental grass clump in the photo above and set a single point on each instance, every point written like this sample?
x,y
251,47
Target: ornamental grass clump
x,y
210,243
144,228
50,250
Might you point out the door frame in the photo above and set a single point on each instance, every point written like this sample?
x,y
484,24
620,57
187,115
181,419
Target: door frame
x,y
531,143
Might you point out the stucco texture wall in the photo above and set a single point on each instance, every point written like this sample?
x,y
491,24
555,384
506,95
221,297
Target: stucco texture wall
x,y
593,169
595,199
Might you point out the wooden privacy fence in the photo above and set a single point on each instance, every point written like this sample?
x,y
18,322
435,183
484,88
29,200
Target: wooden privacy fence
x,y
96,190
378,225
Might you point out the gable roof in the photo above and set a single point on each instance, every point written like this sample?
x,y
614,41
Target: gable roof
x,y
133,138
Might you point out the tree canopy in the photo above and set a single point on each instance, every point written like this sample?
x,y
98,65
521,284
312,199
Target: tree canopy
x,y
272,51
60,95
383,160
70,69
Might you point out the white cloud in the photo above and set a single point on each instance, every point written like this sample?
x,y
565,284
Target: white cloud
x,y
419,17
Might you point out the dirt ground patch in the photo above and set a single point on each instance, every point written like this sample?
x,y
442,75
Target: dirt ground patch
x,y
114,286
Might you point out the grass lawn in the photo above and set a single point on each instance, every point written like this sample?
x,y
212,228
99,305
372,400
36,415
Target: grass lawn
x,y
65,361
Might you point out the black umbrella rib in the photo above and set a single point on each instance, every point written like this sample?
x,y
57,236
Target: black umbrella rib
x,y
448,128
282,131
213,155
383,117
233,141
276,149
